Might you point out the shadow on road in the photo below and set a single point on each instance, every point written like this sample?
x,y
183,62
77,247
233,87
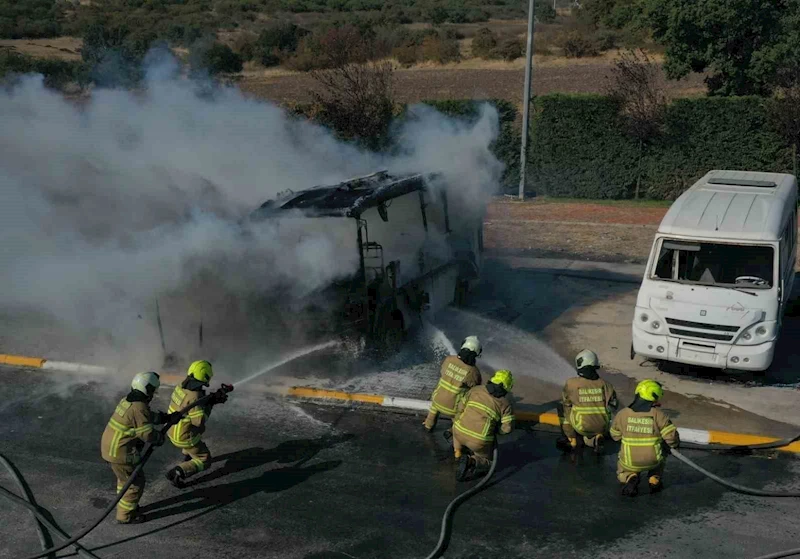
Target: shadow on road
x,y
287,452
272,481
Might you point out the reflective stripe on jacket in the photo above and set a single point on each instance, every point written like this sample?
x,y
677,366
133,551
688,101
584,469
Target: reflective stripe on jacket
x,y
130,426
480,414
188,431
456,377
642,434
587,405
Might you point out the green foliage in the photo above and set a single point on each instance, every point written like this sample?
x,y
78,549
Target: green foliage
x,y
277,41
483,43
545,13
745,45
510,49
579,147
219,59
577,44
30,19
58,74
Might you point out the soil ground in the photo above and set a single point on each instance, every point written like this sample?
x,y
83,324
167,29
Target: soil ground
x,y
471,79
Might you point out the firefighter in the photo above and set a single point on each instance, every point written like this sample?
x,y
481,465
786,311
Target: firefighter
x,y
458,374
482,412
130,427
588,403
186,434
645,431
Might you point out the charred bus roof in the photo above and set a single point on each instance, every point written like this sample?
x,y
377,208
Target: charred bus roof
x,y
350,198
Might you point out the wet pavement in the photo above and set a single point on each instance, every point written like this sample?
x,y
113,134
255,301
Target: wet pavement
x,y
309,482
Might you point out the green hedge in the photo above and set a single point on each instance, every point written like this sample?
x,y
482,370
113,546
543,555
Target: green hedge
x,y
578,147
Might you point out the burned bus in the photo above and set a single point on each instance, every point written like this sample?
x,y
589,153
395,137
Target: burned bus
x,y
412,259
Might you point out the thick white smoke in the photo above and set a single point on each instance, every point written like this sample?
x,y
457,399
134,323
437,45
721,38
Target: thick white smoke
x,y
137,196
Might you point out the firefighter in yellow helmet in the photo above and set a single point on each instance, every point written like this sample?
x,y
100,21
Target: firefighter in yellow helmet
x,y
186,434
588,403
644,431
130,427
482,412
458,374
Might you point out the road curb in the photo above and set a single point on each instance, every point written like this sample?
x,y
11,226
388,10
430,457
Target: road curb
x,y
695,436
69,367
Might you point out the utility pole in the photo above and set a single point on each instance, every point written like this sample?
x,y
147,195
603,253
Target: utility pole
x,y
526,102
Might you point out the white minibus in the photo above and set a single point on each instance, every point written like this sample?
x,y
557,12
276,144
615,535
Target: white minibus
x,y
720,273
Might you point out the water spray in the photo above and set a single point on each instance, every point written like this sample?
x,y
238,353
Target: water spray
x,y
284,361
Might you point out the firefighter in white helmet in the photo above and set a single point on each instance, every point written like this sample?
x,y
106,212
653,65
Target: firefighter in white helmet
x,y
130,427
458,374
588,403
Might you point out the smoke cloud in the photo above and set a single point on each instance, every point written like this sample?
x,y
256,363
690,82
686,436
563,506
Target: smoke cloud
x,y
134,197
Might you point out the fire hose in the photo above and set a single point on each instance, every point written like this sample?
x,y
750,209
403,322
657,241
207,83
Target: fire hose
x,y
447,519
72,541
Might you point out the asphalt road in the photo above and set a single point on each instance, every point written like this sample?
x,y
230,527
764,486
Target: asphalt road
x,y
308,482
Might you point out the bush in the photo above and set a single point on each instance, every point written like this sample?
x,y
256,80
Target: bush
x,y
483,43
58,74
406,54
440,50
545,13
606,39
220,59
277,41
577,44
510,49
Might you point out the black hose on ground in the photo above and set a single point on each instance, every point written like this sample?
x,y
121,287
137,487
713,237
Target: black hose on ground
x,y
448,513
147,452
731,485
44,540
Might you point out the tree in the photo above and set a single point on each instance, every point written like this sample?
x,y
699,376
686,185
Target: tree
x,y
278,40
545,12
636,85
356,97
743,44
219,58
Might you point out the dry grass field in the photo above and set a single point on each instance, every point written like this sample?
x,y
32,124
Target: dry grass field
x,y
67,48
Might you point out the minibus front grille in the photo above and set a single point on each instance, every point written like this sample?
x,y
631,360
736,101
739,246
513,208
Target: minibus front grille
x,y
688,324
702,335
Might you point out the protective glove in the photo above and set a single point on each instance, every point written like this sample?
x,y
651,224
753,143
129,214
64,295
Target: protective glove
x,y
220,397
158,439
159,417
173,418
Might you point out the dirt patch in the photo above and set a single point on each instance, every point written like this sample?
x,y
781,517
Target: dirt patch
x,y
574,241
461,82
66,48
575,211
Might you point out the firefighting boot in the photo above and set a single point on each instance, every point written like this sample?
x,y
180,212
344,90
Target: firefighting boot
x,y
562,444
136,518
598,444
176,477
655,484
463,468
631,487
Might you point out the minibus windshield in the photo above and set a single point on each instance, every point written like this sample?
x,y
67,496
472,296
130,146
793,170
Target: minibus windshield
x,y
716,264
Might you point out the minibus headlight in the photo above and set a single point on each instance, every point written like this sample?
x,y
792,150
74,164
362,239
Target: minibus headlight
x,y
644,317
761,331
655,325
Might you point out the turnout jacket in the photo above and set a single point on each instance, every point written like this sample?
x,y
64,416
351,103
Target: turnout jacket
x,y
188,431
456,377
642,434
481,415
130,427
588,405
